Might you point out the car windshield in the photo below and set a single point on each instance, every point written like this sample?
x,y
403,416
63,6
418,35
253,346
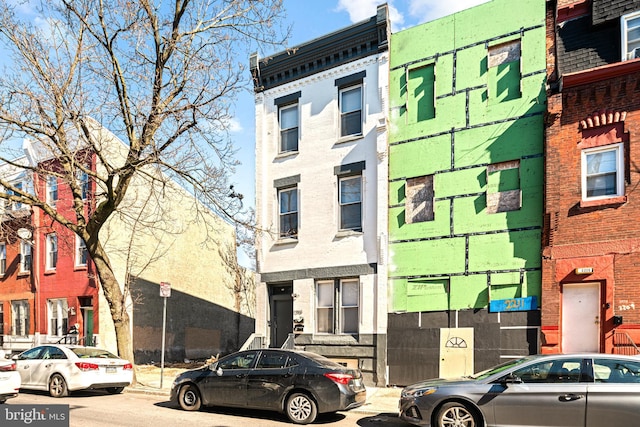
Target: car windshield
x,y
87,352
500,368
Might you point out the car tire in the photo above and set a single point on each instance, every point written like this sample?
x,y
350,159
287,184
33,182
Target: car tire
x,y
58,386
2,401
301,409
115,390
189,398
456,414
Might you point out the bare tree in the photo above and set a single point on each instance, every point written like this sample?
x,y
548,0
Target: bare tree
x,y
159,75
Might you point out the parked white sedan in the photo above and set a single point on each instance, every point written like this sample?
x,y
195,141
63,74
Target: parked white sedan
x,y
61,369
9,380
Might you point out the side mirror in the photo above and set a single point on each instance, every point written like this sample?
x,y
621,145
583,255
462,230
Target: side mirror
x,y
14,357
219,372
511,379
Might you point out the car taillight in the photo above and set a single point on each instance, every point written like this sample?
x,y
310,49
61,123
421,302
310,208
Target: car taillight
x,y
84,366
128,367
339,378
7,368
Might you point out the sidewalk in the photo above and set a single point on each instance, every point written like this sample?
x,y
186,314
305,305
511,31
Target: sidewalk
x,y
379,399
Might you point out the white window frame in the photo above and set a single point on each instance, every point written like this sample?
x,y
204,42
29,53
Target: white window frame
x,y
342,91
3,259
620,172
57,317
52,190
338,306
626,53
281,109
342,204
16,205
25,256
281,233
52,251
81,248
20,318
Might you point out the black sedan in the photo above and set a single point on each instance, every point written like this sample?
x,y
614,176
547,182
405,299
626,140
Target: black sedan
x,y
571,390
298,383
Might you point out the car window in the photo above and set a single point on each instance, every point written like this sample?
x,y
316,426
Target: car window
x,y
240,361
616,371
550,371
53,353
32,354
269,360
86,352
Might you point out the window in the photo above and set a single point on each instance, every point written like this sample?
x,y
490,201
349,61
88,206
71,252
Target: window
x,y
25,257
351,111
20,318
345,317
58,317
3,258
551,371
602,172
630,25
52,190
52,251
503,187
504,71
240,361
289,128
16,205
350,200
616,371
419,199
83,182
288,201
272,360
421,93
81,252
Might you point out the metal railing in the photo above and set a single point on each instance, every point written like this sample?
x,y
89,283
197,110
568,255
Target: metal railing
x,y
623,344
254,341
74,339
289,343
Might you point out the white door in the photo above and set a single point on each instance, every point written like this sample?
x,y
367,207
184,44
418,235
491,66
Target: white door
x,y
580,317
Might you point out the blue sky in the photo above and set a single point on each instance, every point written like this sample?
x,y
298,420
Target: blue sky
x,y
312,19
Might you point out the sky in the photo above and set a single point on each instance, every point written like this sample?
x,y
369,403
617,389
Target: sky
x,y
313,19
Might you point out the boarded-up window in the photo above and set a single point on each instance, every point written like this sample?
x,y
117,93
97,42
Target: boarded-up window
x,y
503,187
421,96
504,71
419,199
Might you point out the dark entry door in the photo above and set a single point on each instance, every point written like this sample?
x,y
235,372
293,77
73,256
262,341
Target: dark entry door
x,y
281,314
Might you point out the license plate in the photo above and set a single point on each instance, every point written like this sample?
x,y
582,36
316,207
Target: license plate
x,y
111,369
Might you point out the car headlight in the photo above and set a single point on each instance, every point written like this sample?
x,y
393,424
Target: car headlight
x,y
419,392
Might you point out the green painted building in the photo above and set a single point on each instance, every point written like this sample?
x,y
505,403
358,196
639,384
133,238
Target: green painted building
x,y
467,103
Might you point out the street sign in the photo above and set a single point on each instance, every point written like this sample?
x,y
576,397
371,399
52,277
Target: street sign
x,y
165,289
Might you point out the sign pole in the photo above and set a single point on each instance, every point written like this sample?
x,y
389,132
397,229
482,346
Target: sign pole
x,y
165,292
164,325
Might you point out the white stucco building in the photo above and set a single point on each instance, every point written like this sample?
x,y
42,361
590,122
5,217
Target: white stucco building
x,y
321,195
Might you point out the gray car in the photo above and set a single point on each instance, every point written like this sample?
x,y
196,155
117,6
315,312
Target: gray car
x,y
585,390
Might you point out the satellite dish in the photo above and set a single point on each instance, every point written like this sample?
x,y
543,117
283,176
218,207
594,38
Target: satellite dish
x,y
24,233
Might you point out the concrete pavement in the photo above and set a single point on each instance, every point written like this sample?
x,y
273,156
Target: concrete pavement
x,y
379,399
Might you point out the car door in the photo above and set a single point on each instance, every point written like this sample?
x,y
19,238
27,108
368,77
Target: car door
x,y
51,360
548,393
614,396
227,384
273,375
26,362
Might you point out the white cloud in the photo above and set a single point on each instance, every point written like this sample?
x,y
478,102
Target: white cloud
x,y
360,10
234,125
428,10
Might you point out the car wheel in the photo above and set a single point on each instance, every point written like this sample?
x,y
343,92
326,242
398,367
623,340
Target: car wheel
x,y
189,398
2,401
115,390
58,386
301,409
456,414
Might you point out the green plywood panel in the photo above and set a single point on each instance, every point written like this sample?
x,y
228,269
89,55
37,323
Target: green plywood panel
x,y
440,225
469,292
419,158
474,63
460,182
431,257
533,51
504,251
499,279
